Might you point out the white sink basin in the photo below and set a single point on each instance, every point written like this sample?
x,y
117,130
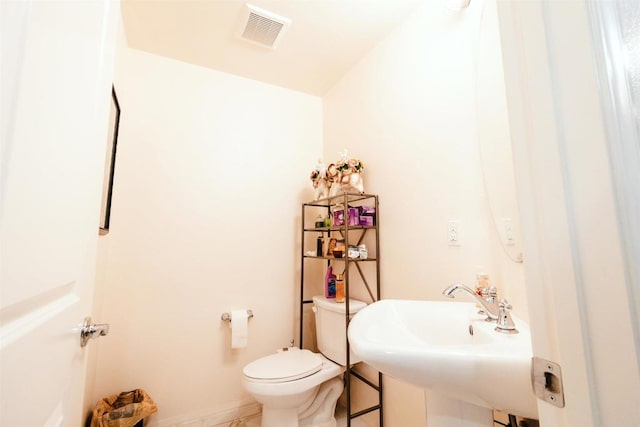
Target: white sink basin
x,y
429,344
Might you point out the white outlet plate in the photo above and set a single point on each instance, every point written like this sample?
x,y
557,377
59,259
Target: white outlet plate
x,y
453,232
507,228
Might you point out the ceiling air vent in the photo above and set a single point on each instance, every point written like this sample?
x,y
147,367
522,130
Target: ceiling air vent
x,y
263,27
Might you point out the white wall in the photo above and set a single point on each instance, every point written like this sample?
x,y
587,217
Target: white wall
x,y
210,173
204,212
407,111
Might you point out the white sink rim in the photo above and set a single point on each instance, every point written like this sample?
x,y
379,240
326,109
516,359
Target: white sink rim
x,y
490,368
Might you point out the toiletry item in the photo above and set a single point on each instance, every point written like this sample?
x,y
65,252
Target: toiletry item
x,y
331,246
363,252
340,287
367,216
338,252
354,216
338,217
319,245
485,290
239,328
353,252
319,223
482,283
330,283
327,221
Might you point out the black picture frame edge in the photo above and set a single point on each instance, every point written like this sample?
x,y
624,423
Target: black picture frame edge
x,y
104,228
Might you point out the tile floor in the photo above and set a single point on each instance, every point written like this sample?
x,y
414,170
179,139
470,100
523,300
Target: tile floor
x,y
341,418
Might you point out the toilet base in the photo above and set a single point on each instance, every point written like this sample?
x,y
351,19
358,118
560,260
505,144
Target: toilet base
x,y
318,412
322,412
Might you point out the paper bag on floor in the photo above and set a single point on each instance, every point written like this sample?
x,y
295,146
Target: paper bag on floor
x,y
123,409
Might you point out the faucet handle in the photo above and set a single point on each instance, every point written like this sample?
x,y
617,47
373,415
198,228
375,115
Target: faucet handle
x,y
504,304
505,322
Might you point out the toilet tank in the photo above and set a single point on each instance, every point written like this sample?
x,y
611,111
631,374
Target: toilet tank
x,y
331,328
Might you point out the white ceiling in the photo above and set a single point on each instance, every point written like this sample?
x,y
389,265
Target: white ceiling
x,y
325,39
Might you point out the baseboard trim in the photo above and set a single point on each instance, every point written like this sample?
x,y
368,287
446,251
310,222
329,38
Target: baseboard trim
x,y
209,418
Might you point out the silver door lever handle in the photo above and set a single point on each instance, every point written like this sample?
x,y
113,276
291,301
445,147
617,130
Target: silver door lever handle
x,y
89,331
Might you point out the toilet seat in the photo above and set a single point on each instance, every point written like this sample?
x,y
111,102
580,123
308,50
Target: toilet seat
x,y
284,366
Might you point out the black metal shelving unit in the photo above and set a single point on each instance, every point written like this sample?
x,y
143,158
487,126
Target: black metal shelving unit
x,y
353,235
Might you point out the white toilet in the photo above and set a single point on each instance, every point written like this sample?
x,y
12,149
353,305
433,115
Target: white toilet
x,y
300,388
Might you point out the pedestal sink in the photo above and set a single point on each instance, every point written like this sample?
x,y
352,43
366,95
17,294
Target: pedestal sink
x,y
449,350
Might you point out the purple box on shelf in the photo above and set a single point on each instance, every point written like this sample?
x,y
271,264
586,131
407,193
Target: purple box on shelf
x,y
338,217
367,216
354,216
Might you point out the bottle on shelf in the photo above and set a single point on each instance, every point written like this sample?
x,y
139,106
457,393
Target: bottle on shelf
x,y
485,290
482,282
340,287
330,283
319,245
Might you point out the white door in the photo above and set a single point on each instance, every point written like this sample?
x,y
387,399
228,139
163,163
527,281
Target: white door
x,y
580,293
57,69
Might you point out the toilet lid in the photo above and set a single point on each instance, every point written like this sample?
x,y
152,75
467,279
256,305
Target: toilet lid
x,y
284,366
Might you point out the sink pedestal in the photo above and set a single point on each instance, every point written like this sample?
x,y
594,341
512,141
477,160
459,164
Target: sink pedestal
x,y
446,412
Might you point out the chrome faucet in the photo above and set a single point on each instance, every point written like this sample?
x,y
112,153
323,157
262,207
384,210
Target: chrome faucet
x,y
499,313
490,307
505,322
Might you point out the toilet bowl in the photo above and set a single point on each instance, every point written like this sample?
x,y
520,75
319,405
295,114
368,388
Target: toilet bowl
x,y
289,384
298,387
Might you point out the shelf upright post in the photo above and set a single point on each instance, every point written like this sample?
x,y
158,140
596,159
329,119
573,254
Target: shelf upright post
x,y
345,207
378,296
302,262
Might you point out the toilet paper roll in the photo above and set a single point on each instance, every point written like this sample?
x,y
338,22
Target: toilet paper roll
x,y
239,328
